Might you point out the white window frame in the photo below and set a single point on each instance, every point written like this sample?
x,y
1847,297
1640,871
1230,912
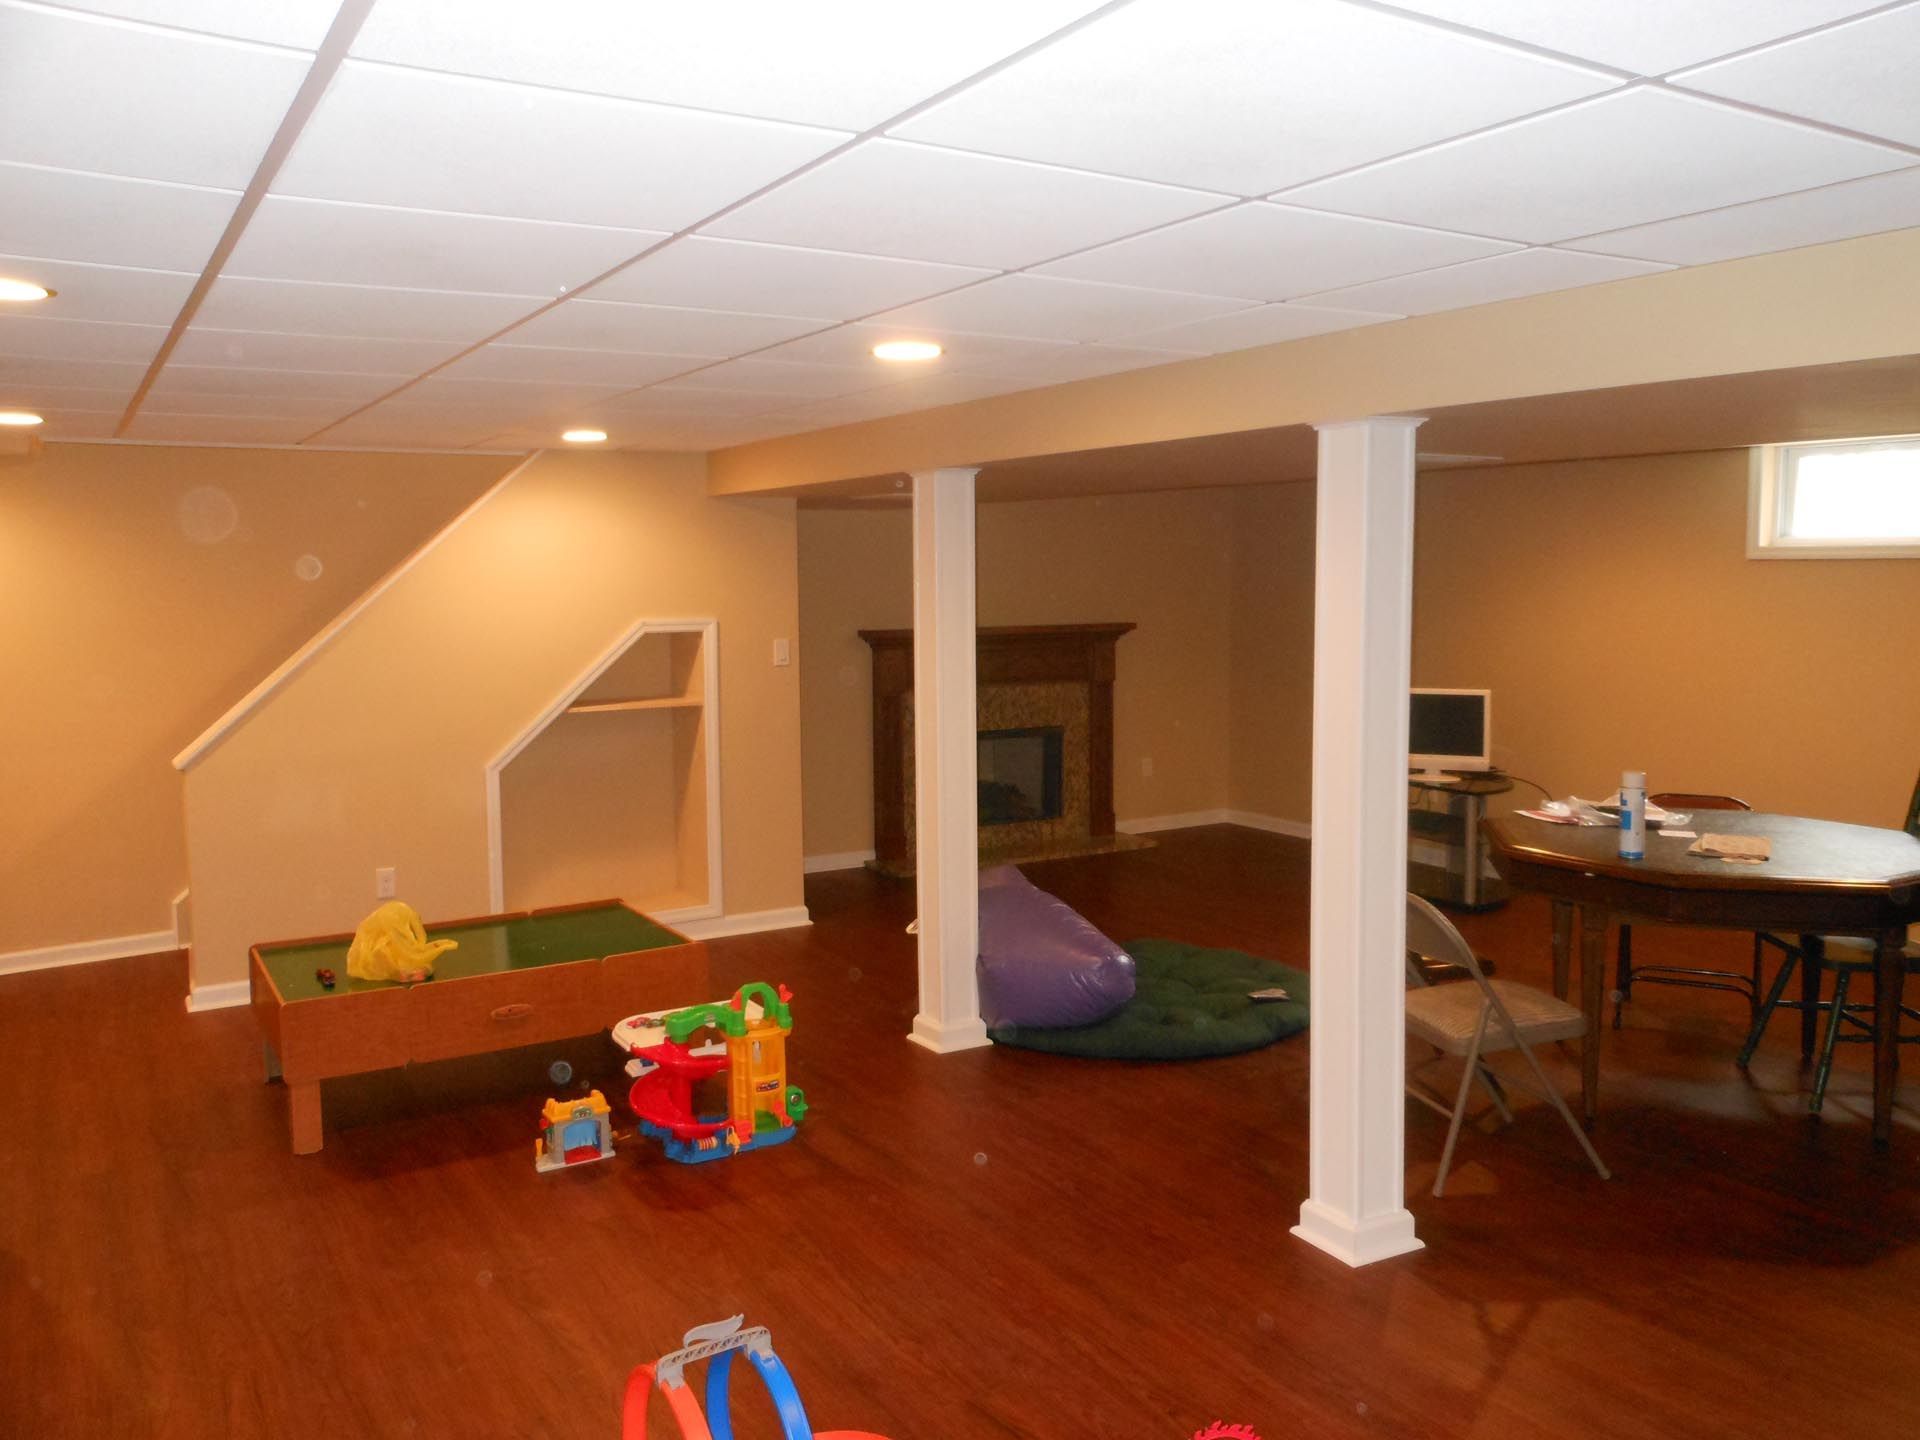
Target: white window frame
x,y
1768,482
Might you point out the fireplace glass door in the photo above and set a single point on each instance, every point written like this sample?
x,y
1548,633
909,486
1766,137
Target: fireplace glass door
x,y
1020,775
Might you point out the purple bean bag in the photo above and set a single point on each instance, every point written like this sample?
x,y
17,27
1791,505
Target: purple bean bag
x,y
1041,963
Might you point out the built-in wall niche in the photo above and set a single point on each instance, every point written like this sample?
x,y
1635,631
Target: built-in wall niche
x,y
613,790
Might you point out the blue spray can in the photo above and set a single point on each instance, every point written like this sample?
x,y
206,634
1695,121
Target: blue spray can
x,y
1633,815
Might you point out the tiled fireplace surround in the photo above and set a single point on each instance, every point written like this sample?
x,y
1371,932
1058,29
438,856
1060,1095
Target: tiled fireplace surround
x,y
1029,676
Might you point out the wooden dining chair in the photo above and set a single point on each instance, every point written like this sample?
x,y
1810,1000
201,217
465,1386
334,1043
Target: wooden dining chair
x,y
1748,986
1845,957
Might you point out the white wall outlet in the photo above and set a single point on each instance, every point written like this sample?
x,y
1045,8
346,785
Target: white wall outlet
x,y
1146,766
383,886
782,653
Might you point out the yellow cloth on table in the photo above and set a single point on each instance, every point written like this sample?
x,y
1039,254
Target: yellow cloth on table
x,y
392,944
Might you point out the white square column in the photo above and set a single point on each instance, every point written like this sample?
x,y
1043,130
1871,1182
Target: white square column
x,y
946,762
1362,644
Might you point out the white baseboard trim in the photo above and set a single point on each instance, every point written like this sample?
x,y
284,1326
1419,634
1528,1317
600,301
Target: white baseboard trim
x,y
85,952
749,922
1147,824
218,997
1272,824
844,860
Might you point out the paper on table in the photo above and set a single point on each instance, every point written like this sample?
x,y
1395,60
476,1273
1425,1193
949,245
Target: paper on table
x,y
1734,849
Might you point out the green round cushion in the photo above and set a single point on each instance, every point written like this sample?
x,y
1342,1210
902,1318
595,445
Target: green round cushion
x,y
1188,1002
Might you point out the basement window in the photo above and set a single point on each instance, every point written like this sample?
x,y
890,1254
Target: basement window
x,y
1851,498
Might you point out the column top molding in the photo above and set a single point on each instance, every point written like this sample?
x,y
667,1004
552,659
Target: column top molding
x,y
1391,422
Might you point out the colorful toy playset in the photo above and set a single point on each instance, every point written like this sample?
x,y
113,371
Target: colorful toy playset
x,y
762,1109
574,1132
720,1342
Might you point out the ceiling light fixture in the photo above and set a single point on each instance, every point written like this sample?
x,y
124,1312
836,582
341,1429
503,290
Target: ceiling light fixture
x,y
20,418
906,350
22,291
584,437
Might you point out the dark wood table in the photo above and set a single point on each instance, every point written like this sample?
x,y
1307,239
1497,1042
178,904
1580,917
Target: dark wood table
x,y
1825,878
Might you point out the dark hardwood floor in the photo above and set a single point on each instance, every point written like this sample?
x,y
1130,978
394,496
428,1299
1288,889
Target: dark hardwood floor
x,y
993,1244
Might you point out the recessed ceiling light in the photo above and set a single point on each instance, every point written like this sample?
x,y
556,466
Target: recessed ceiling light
x,y
21,291
18,417
584,437
907,350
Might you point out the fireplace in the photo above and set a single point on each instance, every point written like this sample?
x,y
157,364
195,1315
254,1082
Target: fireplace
x,y
1045,703
1019,774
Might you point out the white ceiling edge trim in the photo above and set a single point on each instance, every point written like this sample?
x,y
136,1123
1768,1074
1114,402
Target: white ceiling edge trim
x,y
334,628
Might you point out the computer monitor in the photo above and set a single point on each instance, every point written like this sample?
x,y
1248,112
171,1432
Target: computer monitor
x,y
1449,730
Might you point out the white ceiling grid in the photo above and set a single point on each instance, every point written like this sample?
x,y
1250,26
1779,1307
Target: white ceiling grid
x,y
690,224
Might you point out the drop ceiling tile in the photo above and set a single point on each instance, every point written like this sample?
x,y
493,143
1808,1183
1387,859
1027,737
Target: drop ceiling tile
x,y
202,345
1807,217
370,312
509,399
531,363
101,292
659,432
1647,37
63,424
315,409
101,220
414,427
488,148
798,380
290,239
299,23
1042,307
1482,282
121,99
20,371
50,339
44,399
346,388
1859,76
922,203
851,67
1267,325
1271,252
1227,96
684,400
702,273
852,346
1589,168
657,329
1078,362
221,429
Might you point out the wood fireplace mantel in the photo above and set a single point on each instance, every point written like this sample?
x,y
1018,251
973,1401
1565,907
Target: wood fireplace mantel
x,y
1006,655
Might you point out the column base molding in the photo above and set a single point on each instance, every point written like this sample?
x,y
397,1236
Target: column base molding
x,y
1357,1242
930,1034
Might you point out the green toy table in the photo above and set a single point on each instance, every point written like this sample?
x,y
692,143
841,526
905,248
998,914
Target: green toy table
x,y
516,979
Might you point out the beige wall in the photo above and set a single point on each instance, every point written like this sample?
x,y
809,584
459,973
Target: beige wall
x,y
375,754
1611,608
1154,559
1270,706
143,590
